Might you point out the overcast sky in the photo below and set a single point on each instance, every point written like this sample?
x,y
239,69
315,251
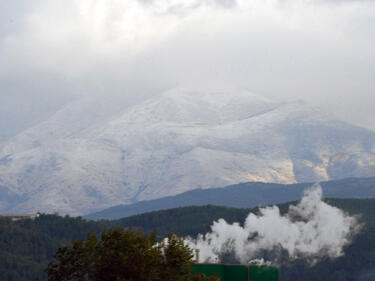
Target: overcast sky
x,y
321,51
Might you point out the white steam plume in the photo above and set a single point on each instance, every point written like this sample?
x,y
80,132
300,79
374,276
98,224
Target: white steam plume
x,y
310,229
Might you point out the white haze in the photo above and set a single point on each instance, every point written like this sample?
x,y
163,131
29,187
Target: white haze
x,y
52,51
311,229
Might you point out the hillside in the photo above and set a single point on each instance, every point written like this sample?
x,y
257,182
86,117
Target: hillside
x,y
94,154
193,220
244,195
26,246
356,264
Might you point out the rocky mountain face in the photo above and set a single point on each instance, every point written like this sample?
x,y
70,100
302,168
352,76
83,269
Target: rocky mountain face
x,y
91,155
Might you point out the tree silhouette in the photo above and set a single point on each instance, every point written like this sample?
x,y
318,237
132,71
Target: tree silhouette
x,y
124,255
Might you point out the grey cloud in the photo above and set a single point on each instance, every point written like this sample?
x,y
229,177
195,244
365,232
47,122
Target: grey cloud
x,y
12,16
225,3
25,101
327,58
183,9
343,1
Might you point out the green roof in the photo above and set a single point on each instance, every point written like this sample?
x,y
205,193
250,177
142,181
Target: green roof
x,y
238,272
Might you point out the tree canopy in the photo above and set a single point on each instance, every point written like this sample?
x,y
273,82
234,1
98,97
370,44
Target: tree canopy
x,y
124,255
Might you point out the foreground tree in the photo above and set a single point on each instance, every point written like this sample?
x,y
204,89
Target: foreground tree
x,y
126,256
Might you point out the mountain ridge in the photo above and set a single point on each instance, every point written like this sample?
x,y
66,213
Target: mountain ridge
x,y
90,156
243,195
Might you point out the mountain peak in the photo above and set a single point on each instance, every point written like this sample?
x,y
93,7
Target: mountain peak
x,y
199,107
182,140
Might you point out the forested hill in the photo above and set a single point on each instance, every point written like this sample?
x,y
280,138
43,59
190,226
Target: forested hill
x,y
193,220
244,195
26,246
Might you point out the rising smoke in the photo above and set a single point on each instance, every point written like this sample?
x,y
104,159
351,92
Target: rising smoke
x,y
311,229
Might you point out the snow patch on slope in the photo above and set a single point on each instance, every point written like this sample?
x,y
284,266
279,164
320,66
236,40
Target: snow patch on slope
x,y
90,156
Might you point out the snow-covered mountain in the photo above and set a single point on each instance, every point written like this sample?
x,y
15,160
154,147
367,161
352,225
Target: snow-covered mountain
x,y
90,155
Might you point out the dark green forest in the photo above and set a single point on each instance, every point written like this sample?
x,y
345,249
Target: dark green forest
x,y
26,246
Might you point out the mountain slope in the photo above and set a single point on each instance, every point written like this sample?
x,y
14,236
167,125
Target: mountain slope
x,y
78,163
244,195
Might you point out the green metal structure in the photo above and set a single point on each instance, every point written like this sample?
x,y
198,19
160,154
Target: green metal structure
x,y
238,272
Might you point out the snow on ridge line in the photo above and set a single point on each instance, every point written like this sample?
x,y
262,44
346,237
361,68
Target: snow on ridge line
x,y
114,162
